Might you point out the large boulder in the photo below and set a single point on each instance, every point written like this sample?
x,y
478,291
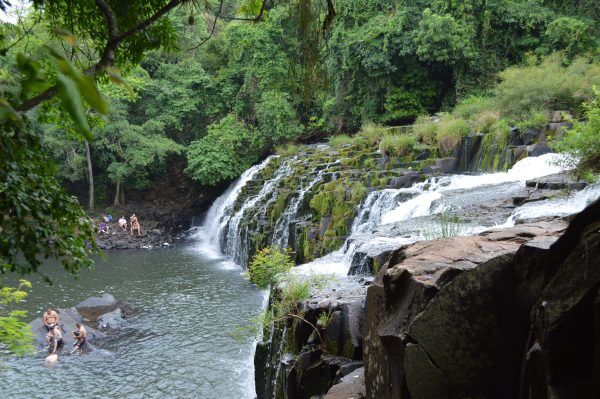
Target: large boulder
x,y
535,150
404,288
510,313
66,321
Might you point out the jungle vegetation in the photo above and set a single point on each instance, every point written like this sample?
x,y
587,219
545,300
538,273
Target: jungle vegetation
x,y
109,95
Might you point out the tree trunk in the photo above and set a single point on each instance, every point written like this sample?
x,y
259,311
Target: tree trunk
x,y
90,173
116,201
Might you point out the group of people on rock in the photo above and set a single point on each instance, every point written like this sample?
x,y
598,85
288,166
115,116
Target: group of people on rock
x,y
54,337
134,224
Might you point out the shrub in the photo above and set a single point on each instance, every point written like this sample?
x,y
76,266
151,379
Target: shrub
x,y
550,85
371,134
444,225
398,145
425,130
324,319
450,132
472,106
289,149
534,121
340,140
486,120
268,265
582,142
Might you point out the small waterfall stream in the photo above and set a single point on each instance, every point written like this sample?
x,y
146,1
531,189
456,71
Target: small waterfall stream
x,y
392,217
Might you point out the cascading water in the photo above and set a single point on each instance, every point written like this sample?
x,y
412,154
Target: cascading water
x,y
392,217
234,242
564,206
281,232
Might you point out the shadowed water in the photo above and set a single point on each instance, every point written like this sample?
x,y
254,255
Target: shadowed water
x,y
178,346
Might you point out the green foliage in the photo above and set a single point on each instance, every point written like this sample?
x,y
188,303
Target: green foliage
x,y
441,38
425,130
401,145
444,225
485,121
40,219
582,142
324,319
276,117
450,131
472,106
572,35
224,153
535,121
340,140
548,86
268,266
15,334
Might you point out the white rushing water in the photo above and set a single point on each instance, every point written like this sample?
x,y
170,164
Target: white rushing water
x,y
564,206
394,206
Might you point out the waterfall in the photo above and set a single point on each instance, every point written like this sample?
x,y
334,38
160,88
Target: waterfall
x,y
281,233
392,217
234,240
564,206
210,233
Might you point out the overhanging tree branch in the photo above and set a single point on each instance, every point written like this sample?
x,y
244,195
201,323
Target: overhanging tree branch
x,y
108,53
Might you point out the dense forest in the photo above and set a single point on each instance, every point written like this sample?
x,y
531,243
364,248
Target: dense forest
x,y
109,96
233,79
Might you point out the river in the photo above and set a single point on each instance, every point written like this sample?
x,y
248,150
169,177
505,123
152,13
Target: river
x,y
179,344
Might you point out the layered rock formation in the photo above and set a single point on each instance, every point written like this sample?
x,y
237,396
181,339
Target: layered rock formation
x,y
508,314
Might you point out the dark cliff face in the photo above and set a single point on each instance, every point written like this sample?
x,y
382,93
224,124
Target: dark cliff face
x,y
511,314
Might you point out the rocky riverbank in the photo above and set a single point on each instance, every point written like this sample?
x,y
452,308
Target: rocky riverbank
x,y
504,313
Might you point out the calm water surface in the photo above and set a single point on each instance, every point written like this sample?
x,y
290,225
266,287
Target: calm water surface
x,y
178,346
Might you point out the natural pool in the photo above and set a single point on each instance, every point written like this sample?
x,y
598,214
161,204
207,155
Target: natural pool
x,y
178,346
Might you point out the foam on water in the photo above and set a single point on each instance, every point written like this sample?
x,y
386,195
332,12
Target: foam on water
x,y
564,206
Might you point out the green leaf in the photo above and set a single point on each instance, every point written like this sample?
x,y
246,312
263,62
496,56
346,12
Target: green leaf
x,y
86,84
90,92
34,79
71,99
7,113
115,76
66,35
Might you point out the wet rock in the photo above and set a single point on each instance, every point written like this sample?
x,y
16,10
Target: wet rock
x,y
352,386
432,170
406,180
106,300
535,150
515,138
447,165
403,290
517,318
530,136
557,181
111,320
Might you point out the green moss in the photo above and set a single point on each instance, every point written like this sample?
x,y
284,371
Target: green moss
x,y
280,205
348,347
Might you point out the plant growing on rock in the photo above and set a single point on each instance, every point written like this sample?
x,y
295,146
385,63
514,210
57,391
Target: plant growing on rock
x,y
450,132
444,225
268,265
400,146
582,142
